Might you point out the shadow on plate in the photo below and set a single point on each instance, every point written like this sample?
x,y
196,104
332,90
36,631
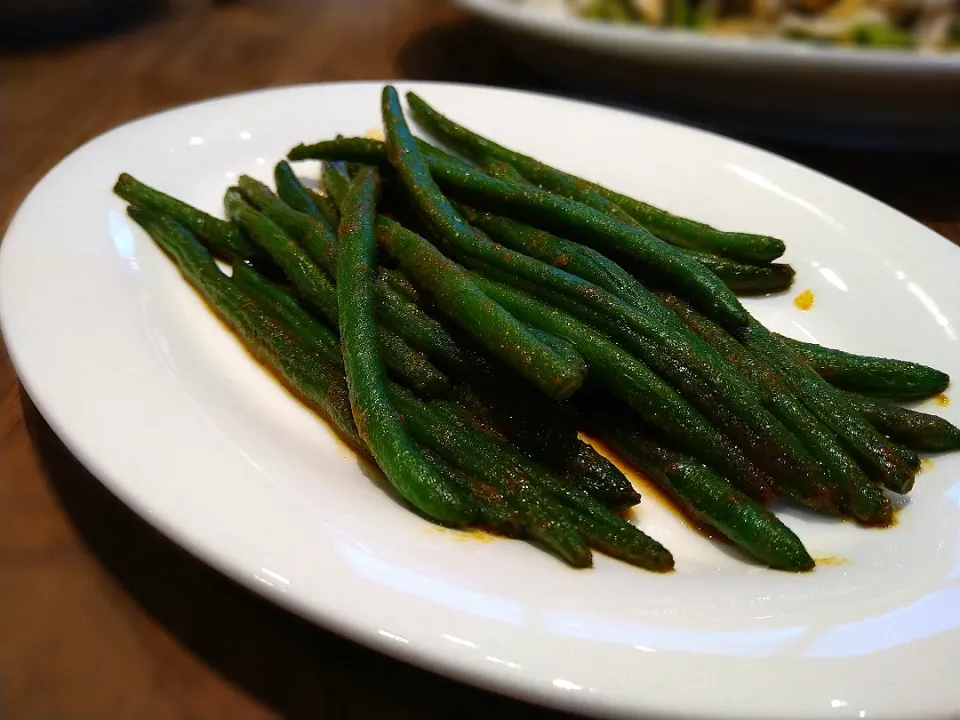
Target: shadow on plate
x,y
293,667
923,184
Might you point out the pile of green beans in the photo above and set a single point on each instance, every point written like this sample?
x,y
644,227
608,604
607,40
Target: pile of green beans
x,y
461,322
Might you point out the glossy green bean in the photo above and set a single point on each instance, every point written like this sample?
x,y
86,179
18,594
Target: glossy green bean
x,y
222,237
883,378
288,309
916,430
672,228
316,383
709,498
414,477
460,299
541,516
857,495
555,213
292,191
870,448
706,380
603,529
311,283
623,376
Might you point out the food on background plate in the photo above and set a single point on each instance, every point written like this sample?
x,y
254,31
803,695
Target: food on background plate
x,y
927,25
461,319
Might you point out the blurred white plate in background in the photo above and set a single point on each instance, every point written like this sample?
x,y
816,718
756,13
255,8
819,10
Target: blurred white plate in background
x,y
769,88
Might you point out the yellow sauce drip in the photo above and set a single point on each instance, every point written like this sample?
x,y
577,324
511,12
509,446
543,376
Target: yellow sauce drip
x,y
834,560
804,301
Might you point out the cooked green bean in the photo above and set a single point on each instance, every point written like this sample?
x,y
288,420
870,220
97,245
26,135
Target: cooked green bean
x,y
563,454
604,530
316,237
620,374
223,238
540,515
742,278
709,498
318,291
672,228
285,307
870,448
460,299
600,478
328,211
292,192
552,212
401,320
916,430
878,377
495,513
857,494
399,282
707,381
747,278
312,284
715,389
418,329
378,423
318,384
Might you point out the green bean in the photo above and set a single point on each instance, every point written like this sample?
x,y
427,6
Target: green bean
x,y
747,278
858,495
563,454
672,228
603,529
600,478
318,291
701,375
411,367
572,257
495,513
292,191
378,423
286,308
916,430
742,278
400,283
871,449
709,498
553,212
401,321
311,283
316,237
316,383
460,299
223,238
541,516
620,374
909,456
418,329
883,378
716,390
328,211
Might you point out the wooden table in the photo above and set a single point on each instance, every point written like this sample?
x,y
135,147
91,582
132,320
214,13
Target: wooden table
x,y
102,617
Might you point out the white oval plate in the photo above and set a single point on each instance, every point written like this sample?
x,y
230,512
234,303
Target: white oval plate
x,y
160,402
764,87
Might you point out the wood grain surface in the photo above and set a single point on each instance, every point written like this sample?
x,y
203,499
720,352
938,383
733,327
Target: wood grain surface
x,y
100,616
